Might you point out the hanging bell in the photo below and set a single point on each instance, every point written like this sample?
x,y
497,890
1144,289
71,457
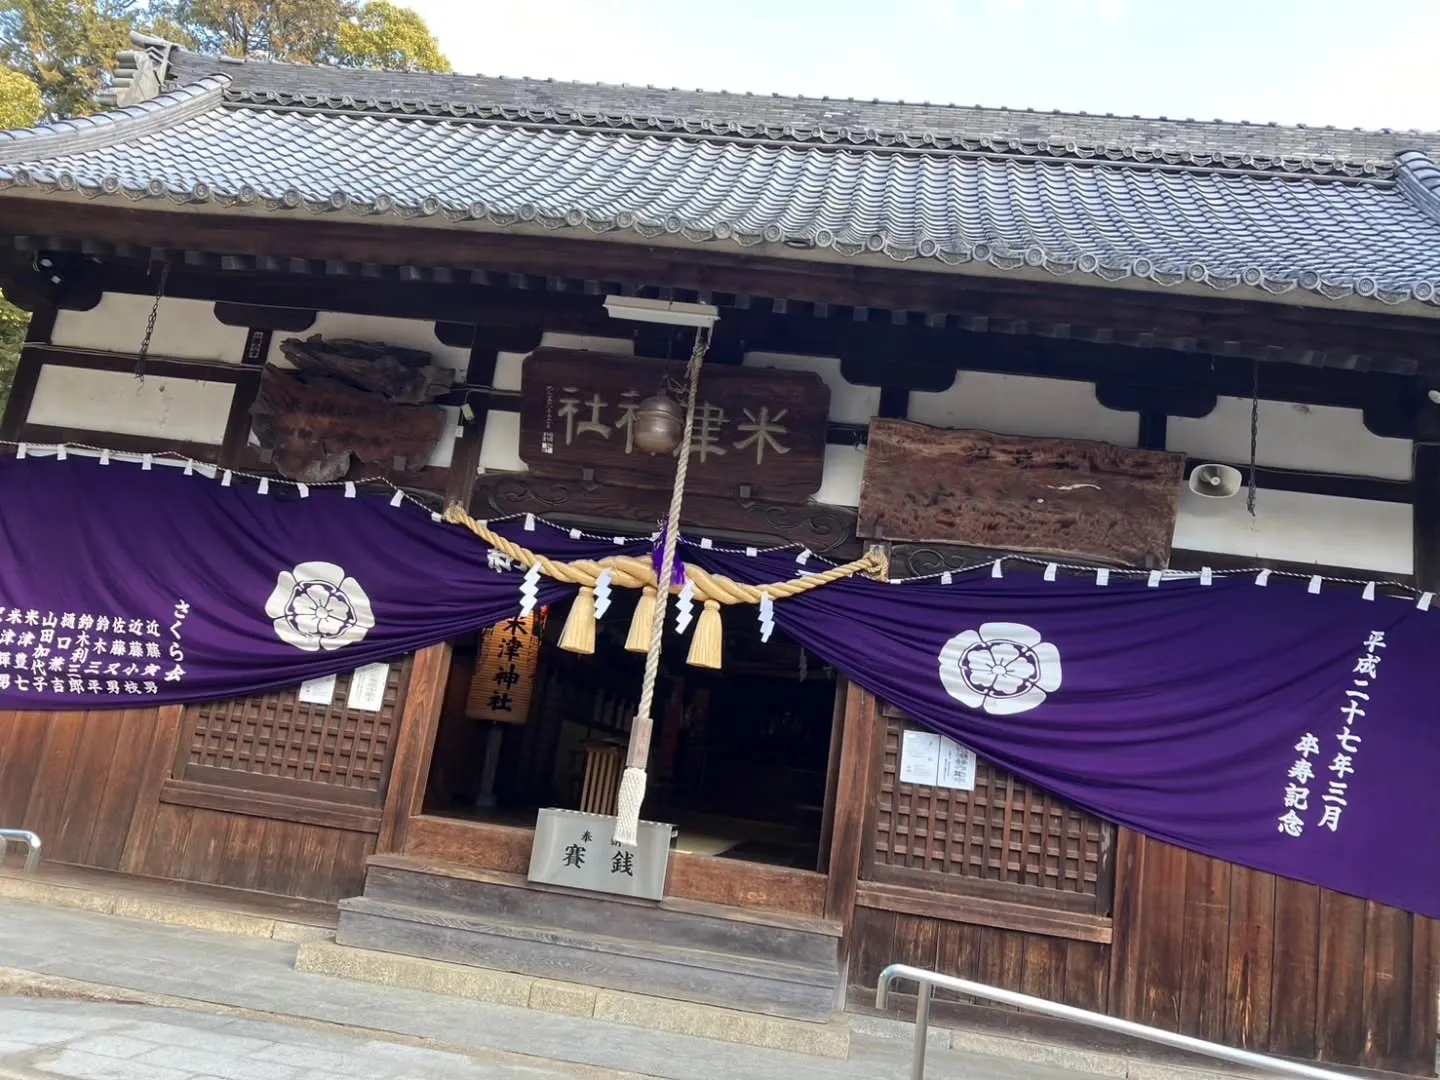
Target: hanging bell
x,y
659,421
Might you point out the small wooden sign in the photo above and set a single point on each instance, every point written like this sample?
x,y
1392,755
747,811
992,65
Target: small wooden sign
x,y
754,428
1058,497
504,678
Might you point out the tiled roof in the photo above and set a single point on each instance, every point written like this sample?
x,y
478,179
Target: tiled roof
x,y
1280,216
833,121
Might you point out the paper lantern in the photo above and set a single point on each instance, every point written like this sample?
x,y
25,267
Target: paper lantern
x,y
504,678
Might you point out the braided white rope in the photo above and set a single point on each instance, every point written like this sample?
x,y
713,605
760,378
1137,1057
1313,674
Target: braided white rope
x,y
632,782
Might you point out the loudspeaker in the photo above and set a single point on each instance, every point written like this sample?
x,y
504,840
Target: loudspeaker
x,y
1215,481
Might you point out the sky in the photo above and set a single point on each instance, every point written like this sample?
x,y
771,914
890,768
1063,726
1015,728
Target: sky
x,y
1316,62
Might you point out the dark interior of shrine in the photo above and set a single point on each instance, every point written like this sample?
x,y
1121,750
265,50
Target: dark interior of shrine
x,y
739,757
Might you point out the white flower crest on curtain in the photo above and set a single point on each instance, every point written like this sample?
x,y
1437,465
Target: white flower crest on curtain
x,y
1002,668
316,606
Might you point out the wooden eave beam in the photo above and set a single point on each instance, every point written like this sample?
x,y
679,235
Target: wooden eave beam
x,y
1234,326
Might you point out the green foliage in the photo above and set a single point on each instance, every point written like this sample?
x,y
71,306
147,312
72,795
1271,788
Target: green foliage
x,y
20,106
20,103
380,34
12,336
66,47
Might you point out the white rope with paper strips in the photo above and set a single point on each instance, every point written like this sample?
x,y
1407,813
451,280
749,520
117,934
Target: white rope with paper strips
x,y
869,566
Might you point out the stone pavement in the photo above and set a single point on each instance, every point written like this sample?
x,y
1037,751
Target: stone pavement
x,y
90,1041
252,986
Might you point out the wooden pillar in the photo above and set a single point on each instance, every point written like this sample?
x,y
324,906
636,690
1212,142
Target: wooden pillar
x,y
414,746
1427,517
159,763
854,814
237,424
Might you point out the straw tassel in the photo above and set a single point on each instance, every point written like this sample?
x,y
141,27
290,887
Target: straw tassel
x,y
705,646
638,640
579,633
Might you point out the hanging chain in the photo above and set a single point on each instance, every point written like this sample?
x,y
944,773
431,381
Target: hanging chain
x,y
1254,432
150,325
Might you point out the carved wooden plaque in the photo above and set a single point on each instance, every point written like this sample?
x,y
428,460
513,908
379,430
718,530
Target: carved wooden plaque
x,y
315,426
1056,497
754,428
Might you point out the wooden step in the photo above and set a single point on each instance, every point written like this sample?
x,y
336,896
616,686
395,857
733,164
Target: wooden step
x,y
769,987
710,928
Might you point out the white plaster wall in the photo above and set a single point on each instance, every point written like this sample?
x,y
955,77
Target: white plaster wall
x,y
849,404
500,445
161,407
844,466
1296,527
1023,405
1315,438
184,329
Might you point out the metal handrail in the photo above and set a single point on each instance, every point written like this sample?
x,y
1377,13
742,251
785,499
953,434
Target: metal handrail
x,y
929,980
21,836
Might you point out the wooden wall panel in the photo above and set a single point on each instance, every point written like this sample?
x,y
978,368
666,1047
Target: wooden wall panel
x,y
1244,958
73,778
1072,972
309,861
1250,958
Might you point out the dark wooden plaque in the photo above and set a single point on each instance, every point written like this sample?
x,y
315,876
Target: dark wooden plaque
x,y
754,427
314,426
1058,497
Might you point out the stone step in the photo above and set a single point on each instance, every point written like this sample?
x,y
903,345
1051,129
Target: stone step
x,y
768,987
685,924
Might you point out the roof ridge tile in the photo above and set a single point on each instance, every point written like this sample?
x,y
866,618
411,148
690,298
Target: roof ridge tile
x,y
814,135
1419,177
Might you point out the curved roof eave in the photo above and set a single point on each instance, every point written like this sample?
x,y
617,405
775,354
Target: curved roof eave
x,y
1292,295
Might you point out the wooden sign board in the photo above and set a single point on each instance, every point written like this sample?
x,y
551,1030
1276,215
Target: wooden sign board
x,y
315,425
1057,497
754,428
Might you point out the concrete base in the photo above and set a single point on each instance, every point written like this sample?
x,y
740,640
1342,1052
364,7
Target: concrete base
x,y
830,1040
157,909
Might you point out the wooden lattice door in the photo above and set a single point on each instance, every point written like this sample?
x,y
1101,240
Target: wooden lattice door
x,y
276,756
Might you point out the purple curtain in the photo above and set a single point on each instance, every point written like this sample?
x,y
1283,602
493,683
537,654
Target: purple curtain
x,y
1293,733
1284,731
123,588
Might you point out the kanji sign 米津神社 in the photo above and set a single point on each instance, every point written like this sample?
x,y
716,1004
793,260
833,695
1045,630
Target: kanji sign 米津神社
x,y
757,428
504,678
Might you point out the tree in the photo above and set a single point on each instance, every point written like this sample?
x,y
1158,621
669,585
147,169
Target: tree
x,y
382,35
65,47
20,102
303,31
20,106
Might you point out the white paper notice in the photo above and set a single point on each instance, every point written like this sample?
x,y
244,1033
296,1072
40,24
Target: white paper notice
x,y
367,688
919,758
957,766
318,691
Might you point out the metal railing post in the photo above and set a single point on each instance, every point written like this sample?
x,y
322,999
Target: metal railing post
x,y
21,836
922,1032
927,981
